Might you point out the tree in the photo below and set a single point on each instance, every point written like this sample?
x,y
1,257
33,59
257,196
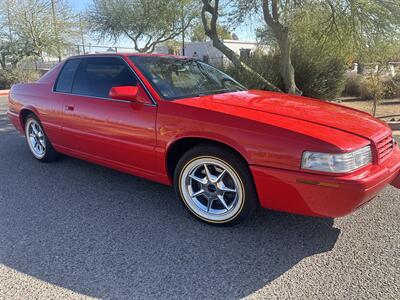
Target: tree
x,y
12,48
30,29
367,32
350,24
379,55
210,29
198,34
145,23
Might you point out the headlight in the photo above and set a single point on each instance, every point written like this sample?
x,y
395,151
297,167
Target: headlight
x,y
336,163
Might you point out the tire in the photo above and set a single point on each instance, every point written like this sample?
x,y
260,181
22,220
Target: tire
x,y
215,185
38,143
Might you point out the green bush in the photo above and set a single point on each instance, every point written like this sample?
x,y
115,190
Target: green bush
x,y
365,87
369,88
266,65
13,76
391,87
318,77
353,85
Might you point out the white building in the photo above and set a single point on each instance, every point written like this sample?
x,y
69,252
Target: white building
x,y
206,52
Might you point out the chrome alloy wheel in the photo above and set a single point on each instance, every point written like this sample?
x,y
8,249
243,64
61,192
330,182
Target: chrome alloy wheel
x,y
212,189
36,138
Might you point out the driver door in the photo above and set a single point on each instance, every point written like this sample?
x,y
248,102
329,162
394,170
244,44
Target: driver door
x,y
105,130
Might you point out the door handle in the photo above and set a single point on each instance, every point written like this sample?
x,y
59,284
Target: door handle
x,y
69,107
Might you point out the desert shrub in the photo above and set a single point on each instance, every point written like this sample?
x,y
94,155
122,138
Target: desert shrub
x,y
321,77
378,86
13,76
369,88
318,76
266,65
391,87
353,85
372,88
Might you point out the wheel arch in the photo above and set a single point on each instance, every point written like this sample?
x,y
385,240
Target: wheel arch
x,y
24,113
180,146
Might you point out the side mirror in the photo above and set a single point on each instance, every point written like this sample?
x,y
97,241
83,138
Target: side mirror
x,y
135,94
128,93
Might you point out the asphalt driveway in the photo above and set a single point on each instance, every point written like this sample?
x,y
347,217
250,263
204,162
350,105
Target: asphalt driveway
x,y
71,229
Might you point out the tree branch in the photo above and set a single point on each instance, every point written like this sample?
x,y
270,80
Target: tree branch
x,y
211,32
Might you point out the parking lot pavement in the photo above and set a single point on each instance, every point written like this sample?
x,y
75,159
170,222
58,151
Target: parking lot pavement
x,y
71,229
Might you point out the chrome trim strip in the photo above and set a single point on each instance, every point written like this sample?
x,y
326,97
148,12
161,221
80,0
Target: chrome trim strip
x,y
102,98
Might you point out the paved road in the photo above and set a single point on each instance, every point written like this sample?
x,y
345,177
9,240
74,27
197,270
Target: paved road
x,y
73,229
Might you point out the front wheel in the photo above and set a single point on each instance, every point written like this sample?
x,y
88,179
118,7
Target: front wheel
x,y
216,185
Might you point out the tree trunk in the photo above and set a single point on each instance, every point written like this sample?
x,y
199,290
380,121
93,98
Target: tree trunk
x,y
3,61
374,106
281,33
286,67
55,29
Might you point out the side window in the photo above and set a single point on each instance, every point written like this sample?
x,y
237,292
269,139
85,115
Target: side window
x,y
64,81
96,76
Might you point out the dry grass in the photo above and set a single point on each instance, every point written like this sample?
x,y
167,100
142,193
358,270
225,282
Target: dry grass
x,y
385,108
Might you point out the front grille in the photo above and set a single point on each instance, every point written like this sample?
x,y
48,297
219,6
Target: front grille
x,y
385,147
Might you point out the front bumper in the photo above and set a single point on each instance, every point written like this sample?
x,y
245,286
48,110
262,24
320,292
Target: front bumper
x,y
324,195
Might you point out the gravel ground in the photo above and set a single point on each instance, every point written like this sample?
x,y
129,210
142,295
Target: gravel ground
x,y
74,230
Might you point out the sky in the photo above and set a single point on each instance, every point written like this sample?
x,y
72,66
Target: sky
x,y
79,5
245,33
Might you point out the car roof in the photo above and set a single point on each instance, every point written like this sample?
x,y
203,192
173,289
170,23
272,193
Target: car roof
x,y
124,55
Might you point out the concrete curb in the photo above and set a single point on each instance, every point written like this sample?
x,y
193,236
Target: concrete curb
x,y
4,92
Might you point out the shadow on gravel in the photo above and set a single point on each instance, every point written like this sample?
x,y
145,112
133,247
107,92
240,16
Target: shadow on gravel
x,y
110,235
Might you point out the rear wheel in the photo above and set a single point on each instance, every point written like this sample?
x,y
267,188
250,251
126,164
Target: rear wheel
x,y
215,185
38,143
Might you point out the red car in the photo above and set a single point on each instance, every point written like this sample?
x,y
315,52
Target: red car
x,y
181,122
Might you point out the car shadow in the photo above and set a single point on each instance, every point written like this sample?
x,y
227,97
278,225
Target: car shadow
x,y
107,234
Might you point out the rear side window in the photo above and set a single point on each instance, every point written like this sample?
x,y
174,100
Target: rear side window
x,y
66,77
96,76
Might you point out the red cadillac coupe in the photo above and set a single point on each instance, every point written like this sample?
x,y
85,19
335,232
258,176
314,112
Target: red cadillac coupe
x,y
226,149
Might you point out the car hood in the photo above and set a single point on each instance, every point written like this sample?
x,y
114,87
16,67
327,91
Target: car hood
x,y
300,108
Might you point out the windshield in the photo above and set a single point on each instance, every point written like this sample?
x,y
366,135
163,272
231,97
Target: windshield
x,y
176,78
